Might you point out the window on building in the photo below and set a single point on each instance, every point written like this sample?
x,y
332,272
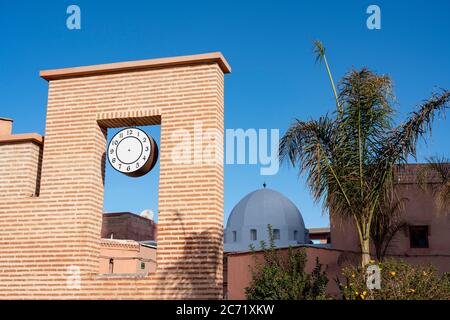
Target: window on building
x,y
295,235
253,235
234,236
276,234
111,265
418,236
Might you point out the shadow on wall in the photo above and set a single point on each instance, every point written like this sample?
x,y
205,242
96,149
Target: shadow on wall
x,y
38,173
185,275
103,167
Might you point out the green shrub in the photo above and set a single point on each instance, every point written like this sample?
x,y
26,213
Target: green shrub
x,y
283,277
399,281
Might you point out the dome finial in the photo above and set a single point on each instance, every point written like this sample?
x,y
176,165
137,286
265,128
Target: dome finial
x,y
264,184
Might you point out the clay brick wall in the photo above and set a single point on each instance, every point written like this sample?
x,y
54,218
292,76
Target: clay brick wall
x,y
126,225
19,169
43,239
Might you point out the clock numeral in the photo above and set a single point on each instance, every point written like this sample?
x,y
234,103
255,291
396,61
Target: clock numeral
x,y
111,151
121,135
115,142
137,164
146,148
143,158
120,165
128,168
113,160
129,132
145,139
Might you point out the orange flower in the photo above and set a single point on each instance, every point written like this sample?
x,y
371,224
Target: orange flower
x,y
392,273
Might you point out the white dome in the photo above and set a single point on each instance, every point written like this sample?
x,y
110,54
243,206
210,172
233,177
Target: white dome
x,y
249,219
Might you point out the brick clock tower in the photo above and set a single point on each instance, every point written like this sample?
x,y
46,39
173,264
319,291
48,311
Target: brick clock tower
x,y
51,190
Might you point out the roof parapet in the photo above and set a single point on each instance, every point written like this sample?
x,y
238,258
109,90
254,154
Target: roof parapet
x,y
214,57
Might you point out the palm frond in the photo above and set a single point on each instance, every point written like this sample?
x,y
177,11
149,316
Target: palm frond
x,y
312,145
319,50
387,222
435,175
402,141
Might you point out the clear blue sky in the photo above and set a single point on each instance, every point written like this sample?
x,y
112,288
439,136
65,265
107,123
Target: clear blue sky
x,y
267,43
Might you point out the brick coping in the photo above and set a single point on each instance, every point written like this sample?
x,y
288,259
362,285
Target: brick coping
x,y
214,57
119,243
22,137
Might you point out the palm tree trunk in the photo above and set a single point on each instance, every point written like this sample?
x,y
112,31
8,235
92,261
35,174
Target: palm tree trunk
x,y
365,250
364,241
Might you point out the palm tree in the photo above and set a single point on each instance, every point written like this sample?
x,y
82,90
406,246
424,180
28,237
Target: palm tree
x,y
349,156
437,171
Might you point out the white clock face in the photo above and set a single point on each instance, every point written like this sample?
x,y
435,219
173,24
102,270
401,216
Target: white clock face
x,y
132,152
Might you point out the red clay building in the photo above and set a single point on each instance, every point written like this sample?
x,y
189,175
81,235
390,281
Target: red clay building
x,y
129,226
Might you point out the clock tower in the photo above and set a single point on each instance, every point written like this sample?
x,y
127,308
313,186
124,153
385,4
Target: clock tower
x,y
65,216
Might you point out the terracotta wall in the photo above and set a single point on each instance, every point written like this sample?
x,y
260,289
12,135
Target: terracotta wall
x,y
44,239
239,266
128,257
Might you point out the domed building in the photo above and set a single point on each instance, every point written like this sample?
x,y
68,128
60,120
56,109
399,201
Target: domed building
x,y
247,223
